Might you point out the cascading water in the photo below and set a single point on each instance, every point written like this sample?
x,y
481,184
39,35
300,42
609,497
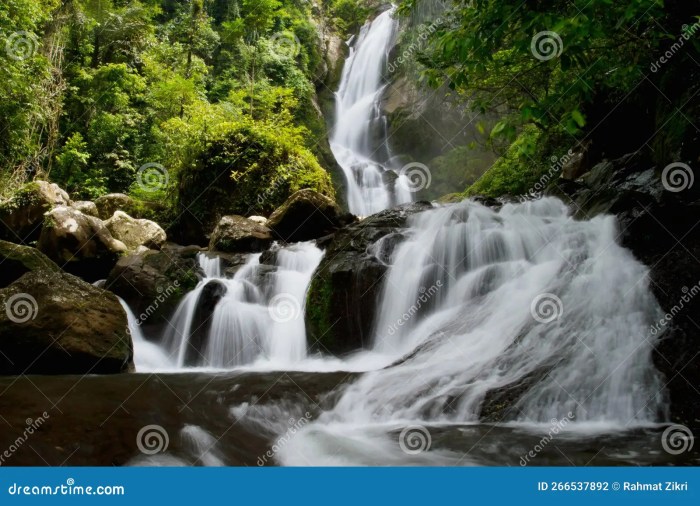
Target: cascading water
x,y
147,356
256,314
477,300
359,141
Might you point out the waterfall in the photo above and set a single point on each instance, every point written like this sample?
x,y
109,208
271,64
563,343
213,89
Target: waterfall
x,y
477,300
147,355
359,140
255,314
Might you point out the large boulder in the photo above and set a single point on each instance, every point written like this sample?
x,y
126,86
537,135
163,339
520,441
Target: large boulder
x,y
16,260
306,215
22,216
55,323
80,244
135,232
342,299
154,282
107,204
236,234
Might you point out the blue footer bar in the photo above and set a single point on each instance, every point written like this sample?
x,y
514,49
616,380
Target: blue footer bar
x,y
337,486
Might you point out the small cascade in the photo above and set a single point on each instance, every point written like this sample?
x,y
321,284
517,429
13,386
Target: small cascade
x,y
257,314
148,356
360,140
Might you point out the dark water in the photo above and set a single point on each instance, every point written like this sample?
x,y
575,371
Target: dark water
x,y
95,420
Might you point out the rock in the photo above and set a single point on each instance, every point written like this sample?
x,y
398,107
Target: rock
x,y
55,323
258,219
79,244
17,260
86,207
236,234
211,294
107,204
22,216
304,216
154,282
342,298
134,232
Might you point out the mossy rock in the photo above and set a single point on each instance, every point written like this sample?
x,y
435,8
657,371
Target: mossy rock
x,y
55,323
304,216
22,216
16,260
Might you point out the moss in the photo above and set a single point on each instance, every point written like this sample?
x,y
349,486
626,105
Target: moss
x,y
318,309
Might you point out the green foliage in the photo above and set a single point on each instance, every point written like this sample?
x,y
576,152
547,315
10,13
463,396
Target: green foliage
x,y
73,173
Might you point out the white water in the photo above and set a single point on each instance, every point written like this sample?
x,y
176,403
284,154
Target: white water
x,y
461,292
147,355
359,141
259,317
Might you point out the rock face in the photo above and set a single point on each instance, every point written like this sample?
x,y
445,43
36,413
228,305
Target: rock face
x,y
660,228
21,217
79,243
17,260
154,282
134,232
55,323
342,298
107,204
236,234
304,216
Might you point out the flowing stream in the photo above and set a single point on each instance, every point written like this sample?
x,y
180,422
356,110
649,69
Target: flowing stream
x,y
360,141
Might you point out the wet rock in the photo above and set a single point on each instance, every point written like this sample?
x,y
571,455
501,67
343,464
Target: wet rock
x,y
56,323
342,298
236,234
210,296
153,282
